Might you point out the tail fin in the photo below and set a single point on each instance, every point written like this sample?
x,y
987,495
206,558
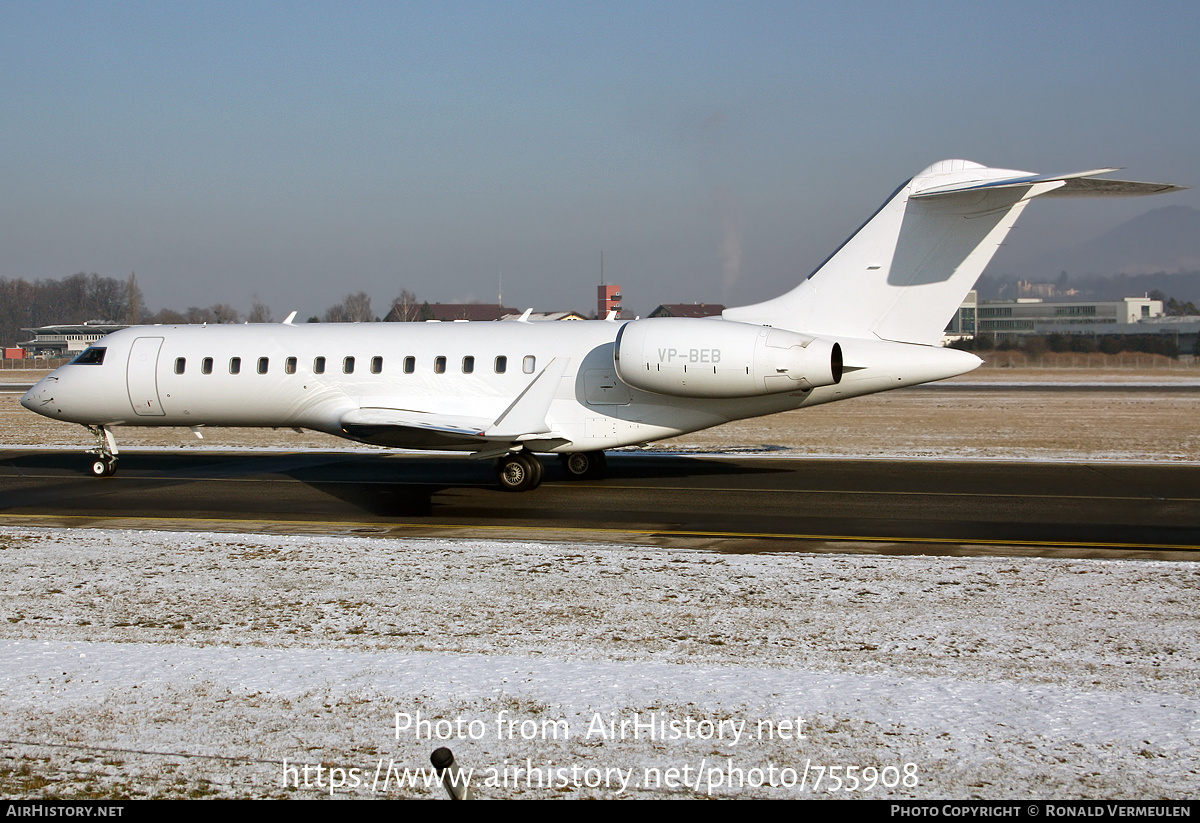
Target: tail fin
x,y
905,272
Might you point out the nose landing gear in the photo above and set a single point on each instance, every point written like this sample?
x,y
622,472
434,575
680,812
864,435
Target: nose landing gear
x,y
105,464
104,468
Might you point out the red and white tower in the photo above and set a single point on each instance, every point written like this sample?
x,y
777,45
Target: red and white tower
x,y
608,298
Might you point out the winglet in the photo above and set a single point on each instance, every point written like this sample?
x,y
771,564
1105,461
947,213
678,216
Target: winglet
x,y
287,321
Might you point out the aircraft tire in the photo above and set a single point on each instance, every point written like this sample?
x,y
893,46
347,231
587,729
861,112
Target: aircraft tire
x,y
104,468
583,465
519,472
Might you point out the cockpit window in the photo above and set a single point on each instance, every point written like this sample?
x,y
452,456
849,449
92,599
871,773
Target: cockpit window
x,y
91,356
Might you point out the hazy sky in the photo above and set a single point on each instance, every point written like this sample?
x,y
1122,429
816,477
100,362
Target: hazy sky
x,y
713,151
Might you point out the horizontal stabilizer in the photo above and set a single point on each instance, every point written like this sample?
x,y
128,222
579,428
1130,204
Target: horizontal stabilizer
x,y
1079,184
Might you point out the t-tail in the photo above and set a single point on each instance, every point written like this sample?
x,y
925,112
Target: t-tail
x,y
903,274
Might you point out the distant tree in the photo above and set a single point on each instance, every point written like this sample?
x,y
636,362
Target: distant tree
x,y
405,308
1035,346
1168,346
354,308
1057,342
216,313
1177,308
226,313
197,315
75,299
167,317
1083,343
259,313
133,301
358,307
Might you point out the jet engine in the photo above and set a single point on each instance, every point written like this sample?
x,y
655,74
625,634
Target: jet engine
x,y
688,357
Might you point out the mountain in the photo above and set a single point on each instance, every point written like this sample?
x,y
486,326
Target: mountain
x,y
1160,250
1161,240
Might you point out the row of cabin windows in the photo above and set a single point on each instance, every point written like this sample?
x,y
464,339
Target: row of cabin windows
x,y
500,365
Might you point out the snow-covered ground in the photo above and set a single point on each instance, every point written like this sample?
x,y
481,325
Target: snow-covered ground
x,y
160,664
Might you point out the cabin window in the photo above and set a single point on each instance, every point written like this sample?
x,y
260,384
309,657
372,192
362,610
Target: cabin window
x,y
501,364
91,356
235,365
376,364
439,364
263,364
468,364
410,364
348,365
319,365
180,365
528,363
289,365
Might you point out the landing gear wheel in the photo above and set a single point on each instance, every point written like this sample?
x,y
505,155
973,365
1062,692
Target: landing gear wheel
x,y
105,464
583,465
519,472
104,468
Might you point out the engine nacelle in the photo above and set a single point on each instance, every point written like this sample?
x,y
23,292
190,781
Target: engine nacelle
x,y
689,357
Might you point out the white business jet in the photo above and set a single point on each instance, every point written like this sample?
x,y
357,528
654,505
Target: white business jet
x,y
867,320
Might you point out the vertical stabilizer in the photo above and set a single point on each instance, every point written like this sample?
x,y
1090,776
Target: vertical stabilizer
x,y
904,273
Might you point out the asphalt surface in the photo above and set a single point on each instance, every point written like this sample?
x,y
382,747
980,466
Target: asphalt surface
x,y
733,504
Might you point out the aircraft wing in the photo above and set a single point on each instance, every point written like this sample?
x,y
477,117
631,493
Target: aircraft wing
x,y
524,419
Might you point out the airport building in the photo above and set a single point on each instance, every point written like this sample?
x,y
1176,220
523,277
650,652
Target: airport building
x,y
1013,320
65,341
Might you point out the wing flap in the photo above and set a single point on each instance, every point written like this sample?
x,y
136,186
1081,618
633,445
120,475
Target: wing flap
x,y
412,419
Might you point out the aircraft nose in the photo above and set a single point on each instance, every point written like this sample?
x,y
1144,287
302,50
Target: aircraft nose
x,y
41,397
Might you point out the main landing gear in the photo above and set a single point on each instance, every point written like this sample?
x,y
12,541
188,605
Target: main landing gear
x,y
105,464
522,471
583,465
519,471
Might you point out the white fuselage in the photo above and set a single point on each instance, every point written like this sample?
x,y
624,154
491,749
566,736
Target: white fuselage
x,y
458,377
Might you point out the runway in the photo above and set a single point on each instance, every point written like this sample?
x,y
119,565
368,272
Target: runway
x,y
732,504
